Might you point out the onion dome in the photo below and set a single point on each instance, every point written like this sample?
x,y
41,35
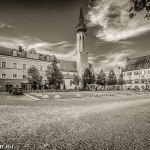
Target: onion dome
x,y
81,27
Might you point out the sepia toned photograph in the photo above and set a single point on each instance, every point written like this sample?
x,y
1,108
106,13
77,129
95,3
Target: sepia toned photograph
x,y
74,74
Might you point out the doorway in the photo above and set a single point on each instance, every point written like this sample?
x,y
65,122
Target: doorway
x,y
8,86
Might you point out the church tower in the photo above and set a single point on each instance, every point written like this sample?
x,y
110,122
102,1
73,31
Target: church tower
x,y
82,55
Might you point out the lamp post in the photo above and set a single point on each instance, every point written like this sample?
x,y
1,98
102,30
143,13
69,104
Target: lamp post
x,y
139,75
146,84
139,78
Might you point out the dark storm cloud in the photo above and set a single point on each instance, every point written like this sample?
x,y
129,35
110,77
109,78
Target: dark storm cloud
x,y
35,4
50,27
114,16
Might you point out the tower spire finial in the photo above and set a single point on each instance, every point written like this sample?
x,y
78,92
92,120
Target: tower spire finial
x,y
81,14
81,26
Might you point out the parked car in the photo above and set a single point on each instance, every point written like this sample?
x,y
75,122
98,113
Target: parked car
x,y
17,91
10,90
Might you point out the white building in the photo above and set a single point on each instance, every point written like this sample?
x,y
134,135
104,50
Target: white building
x,y
14,64
137,73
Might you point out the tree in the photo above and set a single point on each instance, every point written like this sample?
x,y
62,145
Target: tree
x,y
88,78
101,78
112,79
121,81
34,77
139,5
76,80
54,76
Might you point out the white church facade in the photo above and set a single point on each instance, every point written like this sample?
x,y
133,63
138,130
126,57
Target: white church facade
x,y
14,64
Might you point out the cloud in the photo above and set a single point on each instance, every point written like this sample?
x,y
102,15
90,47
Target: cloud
x,y
3,25
62,50
110,60
111,16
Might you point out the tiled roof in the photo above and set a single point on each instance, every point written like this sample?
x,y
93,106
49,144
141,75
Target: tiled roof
x,y
5,51
8,52
138,63
67,66
43,57
69,76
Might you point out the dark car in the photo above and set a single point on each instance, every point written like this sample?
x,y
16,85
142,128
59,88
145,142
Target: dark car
x,y
10,90
17,91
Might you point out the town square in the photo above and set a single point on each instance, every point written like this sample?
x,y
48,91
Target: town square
x,y
74,75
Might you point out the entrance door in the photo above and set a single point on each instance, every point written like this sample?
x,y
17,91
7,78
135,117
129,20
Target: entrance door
x,y
8,86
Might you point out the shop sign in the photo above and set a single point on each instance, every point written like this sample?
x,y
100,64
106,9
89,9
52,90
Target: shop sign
x,y
9,81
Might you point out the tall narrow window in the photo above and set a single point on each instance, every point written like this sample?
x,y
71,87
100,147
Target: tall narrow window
x,y
24,66
3,64
3,76
15,65
24,76
142,72
14,76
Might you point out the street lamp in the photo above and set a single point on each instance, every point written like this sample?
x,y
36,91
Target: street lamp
x,y
139,75
146,84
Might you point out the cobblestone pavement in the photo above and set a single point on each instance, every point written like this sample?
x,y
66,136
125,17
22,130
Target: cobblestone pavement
x,y
120,122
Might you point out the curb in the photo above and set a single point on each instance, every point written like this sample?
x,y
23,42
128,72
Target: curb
x,y
32,97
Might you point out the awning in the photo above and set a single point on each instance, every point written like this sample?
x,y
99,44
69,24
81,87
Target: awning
x,y
24,82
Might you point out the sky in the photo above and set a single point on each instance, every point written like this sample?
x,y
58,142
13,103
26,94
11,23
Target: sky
x,y
49,26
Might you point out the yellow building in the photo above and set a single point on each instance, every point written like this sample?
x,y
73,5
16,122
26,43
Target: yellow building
x,y
137,73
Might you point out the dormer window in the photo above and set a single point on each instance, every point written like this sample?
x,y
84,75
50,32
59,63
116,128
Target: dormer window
x,y
47,58
33,54
14,52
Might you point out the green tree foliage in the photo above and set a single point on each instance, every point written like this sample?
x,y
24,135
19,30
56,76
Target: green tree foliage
x,y
34,77
54,76
88,78
112,79
101,78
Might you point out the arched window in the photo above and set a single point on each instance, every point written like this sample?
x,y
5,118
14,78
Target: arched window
x,y
47,58
33,54
14,52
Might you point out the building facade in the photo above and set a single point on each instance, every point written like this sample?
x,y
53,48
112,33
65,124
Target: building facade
x,y
14,64
137,73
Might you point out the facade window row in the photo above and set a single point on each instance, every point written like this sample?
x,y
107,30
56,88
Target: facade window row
x,y
138,81
14,66
142,72
14,76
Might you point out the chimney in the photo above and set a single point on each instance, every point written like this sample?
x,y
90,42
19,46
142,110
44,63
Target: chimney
x,y
20,49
